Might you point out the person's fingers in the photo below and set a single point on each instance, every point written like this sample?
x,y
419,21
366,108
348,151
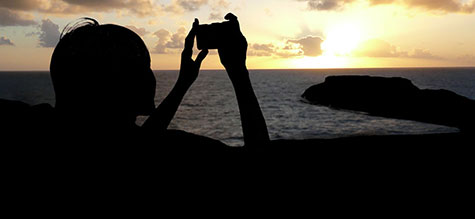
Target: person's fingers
x,y
201,56
190,40
233,20
230,17
196,23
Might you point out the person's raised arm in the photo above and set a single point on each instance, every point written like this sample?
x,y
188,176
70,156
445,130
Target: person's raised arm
x,y
164,113
233,58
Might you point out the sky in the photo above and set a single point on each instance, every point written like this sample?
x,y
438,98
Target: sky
x,y
281,34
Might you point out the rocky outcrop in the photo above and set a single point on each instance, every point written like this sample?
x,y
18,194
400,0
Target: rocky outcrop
x,y
394,98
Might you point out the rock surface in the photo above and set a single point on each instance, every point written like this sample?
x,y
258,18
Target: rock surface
x,y
394,98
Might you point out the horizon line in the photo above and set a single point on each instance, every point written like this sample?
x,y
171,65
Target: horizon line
x,y
338,68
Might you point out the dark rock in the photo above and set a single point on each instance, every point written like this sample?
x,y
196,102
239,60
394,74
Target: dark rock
x,y
394,98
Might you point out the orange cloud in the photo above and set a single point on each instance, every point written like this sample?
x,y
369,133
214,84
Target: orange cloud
x,y
310,45
452,6
168,42
306,46
381,49
378,48
462,6
138,30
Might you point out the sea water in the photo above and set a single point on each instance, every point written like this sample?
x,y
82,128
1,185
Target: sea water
x,y
210,107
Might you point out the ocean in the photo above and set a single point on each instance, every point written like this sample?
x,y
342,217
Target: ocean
x,y
210,107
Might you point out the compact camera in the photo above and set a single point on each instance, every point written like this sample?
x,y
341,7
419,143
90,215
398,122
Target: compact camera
x,y
215,35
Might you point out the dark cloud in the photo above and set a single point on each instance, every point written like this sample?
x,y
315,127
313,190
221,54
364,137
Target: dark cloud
x,y
49,34
310,45
140,31
138,7
12,18
6,41
20,4
168,42
99,3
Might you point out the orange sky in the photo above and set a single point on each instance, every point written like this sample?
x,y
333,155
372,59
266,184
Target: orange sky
x,y
281,33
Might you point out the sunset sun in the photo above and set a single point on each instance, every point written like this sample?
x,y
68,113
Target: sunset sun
x,y
342,39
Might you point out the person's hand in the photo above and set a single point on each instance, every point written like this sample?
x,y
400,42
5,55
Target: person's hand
x,y
189,69
233,54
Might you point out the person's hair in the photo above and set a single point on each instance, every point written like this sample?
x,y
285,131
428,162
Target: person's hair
x,y
101,67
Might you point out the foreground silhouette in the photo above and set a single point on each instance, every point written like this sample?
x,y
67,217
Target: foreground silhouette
x,y
102,81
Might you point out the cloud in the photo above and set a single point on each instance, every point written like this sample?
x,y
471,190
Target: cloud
x,y
220,4
422,54
140,31
310,45
325,5
466,59
177,39
217,7
463,6
137,7
168,42
6,41
306,46
182,6
257,49
215,16
12,18
452,6
377,48
20,4
269,49
163,36
48,35
191,5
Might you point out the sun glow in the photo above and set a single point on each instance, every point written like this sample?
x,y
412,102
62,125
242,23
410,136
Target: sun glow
x,y
342,39
324,61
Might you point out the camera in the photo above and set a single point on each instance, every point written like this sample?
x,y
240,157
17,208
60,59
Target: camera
x,y
215,35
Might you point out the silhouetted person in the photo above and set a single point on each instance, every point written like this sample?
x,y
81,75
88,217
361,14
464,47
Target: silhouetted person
x,y
102,80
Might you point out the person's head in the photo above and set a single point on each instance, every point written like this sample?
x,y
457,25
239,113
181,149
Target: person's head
x,y
103,69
